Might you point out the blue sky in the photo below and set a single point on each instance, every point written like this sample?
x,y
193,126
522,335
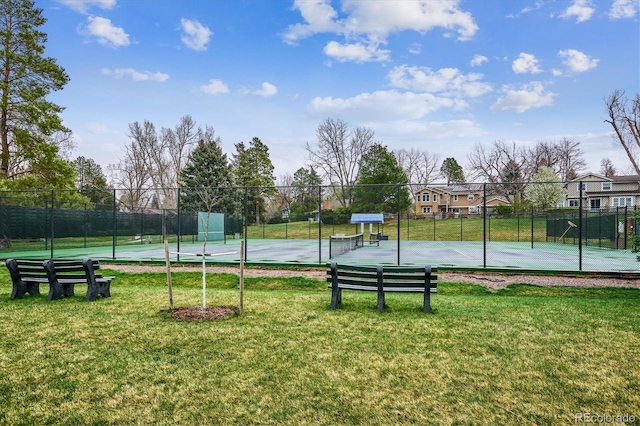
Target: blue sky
x,y
438,75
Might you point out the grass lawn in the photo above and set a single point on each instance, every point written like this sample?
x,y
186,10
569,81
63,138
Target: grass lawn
x,y
524,355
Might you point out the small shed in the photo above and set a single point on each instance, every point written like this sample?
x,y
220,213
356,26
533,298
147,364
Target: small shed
x,y
370,218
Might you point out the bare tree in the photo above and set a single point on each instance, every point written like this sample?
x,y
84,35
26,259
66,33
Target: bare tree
x,y
179,142
131,174
160,157
285,192
420,166
606,168
542,154
570,159
564,157
624,117
505,165
156,163
337,154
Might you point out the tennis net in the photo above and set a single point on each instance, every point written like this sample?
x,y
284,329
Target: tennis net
x,y
340,244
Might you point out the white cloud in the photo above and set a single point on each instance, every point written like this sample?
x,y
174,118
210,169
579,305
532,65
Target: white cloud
x,y
83,5
370,22
623,9
385,17
528,97
196,36
577,61
356,52
107,33
136,75
478,60
581,9
319,17
214,87
267,90
537,6
445,80
382,106
526,63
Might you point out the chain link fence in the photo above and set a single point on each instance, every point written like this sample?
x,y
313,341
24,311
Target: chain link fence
x,y
558,226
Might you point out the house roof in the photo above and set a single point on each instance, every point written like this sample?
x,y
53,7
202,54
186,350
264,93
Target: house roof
x,y
367,218
456,189
589,175
621,178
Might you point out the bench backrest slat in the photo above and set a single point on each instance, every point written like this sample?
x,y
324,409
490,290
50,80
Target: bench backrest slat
x,y
65,269
392,276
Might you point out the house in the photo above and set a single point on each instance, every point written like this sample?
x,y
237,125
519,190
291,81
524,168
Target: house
x,y
601,192
454,200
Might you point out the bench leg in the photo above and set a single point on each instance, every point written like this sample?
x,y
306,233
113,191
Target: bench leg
x,y
381,301
105,289
93,289
19,289
55,291
427,301
336,297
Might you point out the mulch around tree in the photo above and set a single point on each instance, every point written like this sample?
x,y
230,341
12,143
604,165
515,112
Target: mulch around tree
x,y
198,313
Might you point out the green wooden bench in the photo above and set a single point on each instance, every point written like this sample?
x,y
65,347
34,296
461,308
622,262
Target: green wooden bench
x,y
61,275
382,279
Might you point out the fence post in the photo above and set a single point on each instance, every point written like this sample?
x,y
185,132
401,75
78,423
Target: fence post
x,y
115,226
531,226
484,225
179,208
398,226
626,217
85,225
580,229
320,205
53,198
246,219
434,225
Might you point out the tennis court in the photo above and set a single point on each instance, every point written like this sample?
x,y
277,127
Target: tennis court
x,y
517,256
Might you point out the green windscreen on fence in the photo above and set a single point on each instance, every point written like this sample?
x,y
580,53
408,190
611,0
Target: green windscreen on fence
x,y
595,226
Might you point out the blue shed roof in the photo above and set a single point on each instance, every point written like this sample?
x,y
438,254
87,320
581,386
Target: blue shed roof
x,y
367,218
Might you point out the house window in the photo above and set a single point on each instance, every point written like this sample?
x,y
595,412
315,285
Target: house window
x,y
594,203
455,198
574,203
435,197
622,201
426,210
473,209
425,197
606,186
470,197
